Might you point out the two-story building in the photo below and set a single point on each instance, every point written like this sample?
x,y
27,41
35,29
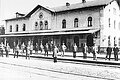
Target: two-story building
x,y
89,22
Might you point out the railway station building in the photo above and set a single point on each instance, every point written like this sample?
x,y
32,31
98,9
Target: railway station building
x,y
96,21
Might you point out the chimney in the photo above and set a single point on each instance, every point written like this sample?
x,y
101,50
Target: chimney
x,y
83,1
67,4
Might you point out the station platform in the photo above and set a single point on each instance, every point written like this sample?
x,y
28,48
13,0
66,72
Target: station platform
x,y
68,56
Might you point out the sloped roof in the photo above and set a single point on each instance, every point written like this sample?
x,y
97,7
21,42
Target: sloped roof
x,y
36,8
71,7
82,5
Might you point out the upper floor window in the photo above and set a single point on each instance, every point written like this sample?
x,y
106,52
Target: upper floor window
x,y
10,28
36,25
114,24
114,11
119,26
89,21
109,22
24,27
76,22
17,28
63,23
41,25
46,24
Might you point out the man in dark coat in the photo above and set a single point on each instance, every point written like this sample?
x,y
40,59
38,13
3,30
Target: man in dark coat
x,y
116,50
109,50
46,48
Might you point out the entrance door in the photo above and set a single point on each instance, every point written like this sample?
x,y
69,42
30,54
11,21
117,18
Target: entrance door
x,y
90,40
45,40
76,40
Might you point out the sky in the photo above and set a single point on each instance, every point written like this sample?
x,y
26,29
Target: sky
x,y
8,8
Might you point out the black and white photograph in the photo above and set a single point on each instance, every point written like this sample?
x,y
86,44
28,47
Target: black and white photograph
x,y
59,39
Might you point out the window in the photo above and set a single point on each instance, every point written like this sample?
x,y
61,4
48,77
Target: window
x,y
17,28
64,23
41,25
24,27
109,43
114,24
114,41
109,22
119,26
114,11
76,22
10,28
36,25
89,21
46,24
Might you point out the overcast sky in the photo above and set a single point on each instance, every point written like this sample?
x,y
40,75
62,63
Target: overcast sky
x,y
8,8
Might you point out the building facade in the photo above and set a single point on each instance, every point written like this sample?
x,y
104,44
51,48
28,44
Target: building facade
x,y
69,24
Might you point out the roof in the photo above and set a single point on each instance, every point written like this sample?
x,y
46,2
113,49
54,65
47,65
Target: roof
x,y
71,7
83,5
36,8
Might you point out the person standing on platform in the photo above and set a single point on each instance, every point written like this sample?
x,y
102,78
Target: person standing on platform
x,y
14,46
55,53
23,47
116,50
63,49
46,48
31,48
109,50
16,51
84,51
2,47
95,49
28,50
41,47
7,50
36,48
74,50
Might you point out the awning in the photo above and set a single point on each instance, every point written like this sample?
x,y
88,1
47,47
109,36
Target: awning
x,y
52,33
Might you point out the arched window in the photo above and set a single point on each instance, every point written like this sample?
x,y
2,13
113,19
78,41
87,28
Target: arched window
x,y
109,22
41,25
36,25
46,24
119,26
109,42
10,28
24,27
89,21
17,28
76,22
63,23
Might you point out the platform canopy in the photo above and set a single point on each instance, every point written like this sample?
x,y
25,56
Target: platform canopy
x,y
50,33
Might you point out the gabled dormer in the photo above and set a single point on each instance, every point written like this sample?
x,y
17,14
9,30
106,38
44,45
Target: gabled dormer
x,y
40,18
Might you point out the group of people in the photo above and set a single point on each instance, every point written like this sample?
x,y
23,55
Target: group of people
x,y
96,50
28,49
109,51
4,48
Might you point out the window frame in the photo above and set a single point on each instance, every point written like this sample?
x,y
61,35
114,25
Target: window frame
x,y
76,23
10,28
63,23
17,28
46,24
90,19
41,25
24,27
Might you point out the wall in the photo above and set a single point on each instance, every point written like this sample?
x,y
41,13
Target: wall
x,y
110,31
81,14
